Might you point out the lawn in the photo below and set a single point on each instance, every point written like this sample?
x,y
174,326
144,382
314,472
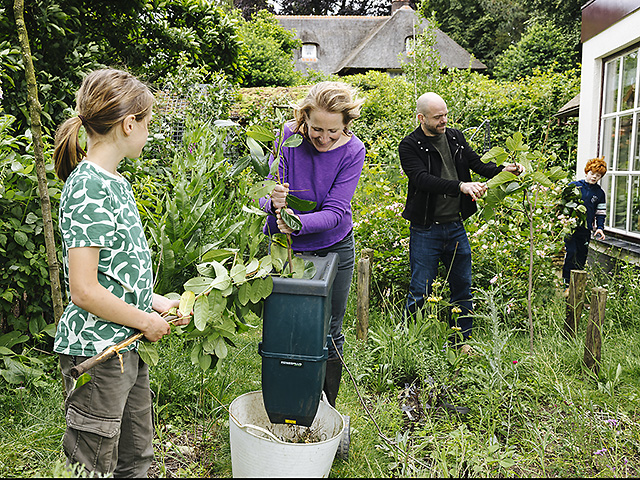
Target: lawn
x,y
530,414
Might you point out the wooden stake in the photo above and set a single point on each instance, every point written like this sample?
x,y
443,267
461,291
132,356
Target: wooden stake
x,y
593,342
364,281
575,300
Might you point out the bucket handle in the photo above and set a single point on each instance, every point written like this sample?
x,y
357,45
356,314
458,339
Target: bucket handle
x,y
269,434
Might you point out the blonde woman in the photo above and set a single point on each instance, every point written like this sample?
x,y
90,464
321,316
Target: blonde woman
x,y
325,169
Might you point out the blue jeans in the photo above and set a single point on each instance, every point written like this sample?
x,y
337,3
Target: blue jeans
x,y
346,251
577,249
446,242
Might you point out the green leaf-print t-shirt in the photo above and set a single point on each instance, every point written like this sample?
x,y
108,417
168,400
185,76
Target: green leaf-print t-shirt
x,y
97,209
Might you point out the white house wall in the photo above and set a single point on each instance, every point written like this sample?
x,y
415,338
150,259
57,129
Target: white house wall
x,y
619,36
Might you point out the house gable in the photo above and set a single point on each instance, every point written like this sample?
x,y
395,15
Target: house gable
x,y
346,44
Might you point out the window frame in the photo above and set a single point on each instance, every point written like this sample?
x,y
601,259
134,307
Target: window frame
x,y
611,126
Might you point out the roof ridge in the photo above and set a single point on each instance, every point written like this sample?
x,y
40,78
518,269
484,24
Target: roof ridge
x,y
334,16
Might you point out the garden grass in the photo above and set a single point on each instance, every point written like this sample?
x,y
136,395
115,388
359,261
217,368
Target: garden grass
x,y
534,415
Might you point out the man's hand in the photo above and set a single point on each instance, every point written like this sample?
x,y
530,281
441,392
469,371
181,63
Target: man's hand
x,y
474,189
599,234
515,168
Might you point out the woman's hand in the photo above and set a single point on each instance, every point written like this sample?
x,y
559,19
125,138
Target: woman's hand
x,y
283,227
279,196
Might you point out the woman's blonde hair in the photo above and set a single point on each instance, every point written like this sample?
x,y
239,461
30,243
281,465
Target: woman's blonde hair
x,y
106,97
332,97
596,165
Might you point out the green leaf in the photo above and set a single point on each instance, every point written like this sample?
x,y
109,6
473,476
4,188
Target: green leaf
x,y
261,288
261,189
204,361
279,255
197,285
291,221
221,348
218,255
496,154
541,178
512,187
81,380
260,133
255,149
238,273
298,267
502,177
21,238
195,353
240,165
187,300
309,270
299,204
149,353
201,312
6,351
209,343
243,293
293,141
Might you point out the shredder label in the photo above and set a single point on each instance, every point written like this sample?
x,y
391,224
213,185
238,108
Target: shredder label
x,y
292,364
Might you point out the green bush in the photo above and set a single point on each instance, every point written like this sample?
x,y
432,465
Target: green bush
x,y
25,293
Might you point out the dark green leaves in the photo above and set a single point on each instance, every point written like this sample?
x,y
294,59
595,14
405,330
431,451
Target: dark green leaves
x,y
299,204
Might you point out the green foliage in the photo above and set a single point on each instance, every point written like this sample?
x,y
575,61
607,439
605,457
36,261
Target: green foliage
x,y
543,47
386,114
168,29
25,295
268,52
485,28
69,39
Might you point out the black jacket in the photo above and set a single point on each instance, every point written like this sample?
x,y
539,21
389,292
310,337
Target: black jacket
x,y
422,163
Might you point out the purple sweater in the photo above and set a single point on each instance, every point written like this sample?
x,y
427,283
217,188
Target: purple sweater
x,y
327,178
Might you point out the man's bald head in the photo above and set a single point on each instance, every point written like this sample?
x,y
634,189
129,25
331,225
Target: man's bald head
x,y
432,113
429,101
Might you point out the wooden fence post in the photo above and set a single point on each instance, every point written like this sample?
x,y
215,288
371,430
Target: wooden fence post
x,y
364,281
575,300
593,342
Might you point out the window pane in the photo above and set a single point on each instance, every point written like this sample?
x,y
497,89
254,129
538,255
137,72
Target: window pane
x,y
635,207
608,140
624,142
611,85
620,205
636,156
629,80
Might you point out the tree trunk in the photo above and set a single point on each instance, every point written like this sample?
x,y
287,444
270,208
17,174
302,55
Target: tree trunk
x,y
36,130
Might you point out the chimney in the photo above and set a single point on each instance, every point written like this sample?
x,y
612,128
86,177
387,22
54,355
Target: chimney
x,y
396,4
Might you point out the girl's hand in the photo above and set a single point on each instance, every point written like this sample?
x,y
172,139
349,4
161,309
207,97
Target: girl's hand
x,y
157,327
162,304
279,196
283,227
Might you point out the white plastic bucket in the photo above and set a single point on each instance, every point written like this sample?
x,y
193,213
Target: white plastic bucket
x,y
256,450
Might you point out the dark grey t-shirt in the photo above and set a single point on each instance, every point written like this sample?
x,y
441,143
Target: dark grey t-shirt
x,y
447,206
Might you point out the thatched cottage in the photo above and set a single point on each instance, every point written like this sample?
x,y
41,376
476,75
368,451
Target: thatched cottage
x,y
346,45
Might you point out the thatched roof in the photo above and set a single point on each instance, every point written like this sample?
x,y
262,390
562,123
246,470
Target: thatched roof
x,y
354,43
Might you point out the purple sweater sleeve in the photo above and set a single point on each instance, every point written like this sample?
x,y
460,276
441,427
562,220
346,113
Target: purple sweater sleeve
x,y
327,178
